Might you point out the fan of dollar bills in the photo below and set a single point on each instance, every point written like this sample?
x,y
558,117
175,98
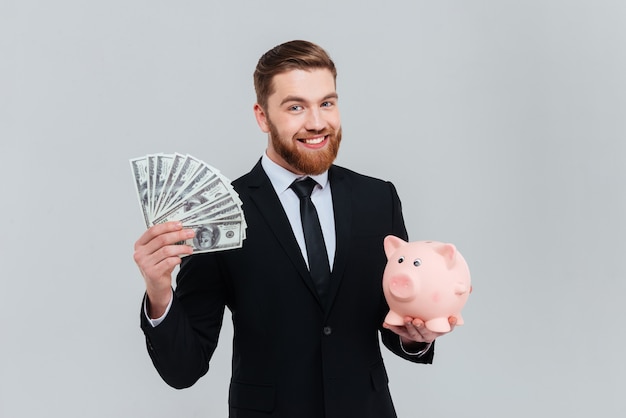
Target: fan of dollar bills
x,y
176,187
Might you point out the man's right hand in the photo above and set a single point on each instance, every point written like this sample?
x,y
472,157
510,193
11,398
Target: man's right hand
x,y
156,255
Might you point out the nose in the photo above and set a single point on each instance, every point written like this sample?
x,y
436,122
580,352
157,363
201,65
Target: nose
x,y
314,120
402,287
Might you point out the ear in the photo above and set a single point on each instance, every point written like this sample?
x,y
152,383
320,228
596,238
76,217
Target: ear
x,y
391,243
261,118
448,252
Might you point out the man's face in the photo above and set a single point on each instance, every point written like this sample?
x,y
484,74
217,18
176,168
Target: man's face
x,y
302,120
205,238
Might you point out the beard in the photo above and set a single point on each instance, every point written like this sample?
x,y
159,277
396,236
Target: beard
x,y
311,162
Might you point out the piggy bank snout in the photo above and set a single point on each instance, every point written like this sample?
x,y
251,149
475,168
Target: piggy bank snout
x,y
402,287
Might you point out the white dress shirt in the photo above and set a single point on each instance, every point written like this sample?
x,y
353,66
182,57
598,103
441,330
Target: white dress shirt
x,y
322,199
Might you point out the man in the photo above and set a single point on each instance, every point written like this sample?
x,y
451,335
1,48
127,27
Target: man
x,y
299,350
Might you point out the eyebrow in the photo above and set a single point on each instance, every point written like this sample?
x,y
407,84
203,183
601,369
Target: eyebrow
x,y
302,100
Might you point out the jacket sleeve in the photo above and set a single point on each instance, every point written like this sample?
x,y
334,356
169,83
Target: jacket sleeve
x,y
183,343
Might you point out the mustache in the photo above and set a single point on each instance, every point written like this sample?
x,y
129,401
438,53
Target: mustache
x,y
313,134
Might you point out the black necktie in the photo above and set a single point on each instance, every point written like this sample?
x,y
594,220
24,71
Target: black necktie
x,y
315,247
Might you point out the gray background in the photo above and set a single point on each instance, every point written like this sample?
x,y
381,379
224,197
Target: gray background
x,y
502,124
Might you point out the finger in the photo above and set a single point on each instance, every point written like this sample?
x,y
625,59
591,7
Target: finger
x,y
167,239
166,252
414,327
158,266
167,246
160,271
417,323
156,230
426,334
164,263
161,254
397,329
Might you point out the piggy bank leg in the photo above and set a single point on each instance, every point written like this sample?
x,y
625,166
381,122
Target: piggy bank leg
x,y
393,318
459,319
438,325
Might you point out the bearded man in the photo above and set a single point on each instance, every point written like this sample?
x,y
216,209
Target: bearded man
x,y
307,315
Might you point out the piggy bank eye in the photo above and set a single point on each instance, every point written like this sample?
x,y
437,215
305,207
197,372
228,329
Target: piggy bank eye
x,y
400,260
417,262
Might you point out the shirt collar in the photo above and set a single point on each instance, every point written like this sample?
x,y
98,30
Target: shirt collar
x,y
282,178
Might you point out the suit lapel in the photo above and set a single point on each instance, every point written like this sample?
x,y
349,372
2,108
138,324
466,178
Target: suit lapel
x,y
264,196
342,208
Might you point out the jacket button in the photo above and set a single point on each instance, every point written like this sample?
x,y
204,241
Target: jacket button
x,y
327,330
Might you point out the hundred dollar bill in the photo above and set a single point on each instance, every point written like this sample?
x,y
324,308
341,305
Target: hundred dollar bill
x,y
214,215
217,236
174,171
237,216
152,166
214,212
139,167
184,174
225,206
200,203
161,172
204,180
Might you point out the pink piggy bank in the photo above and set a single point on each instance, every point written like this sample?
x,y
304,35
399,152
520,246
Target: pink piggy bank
x,y
428,280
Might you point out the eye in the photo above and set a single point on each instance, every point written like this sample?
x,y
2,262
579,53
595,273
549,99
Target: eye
x,y
295,108
327,104
417,262
400,260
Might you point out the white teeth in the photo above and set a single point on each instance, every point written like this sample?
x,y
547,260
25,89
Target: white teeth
x,y
314,141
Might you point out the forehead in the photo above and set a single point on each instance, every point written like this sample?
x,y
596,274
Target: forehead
x,y
309,85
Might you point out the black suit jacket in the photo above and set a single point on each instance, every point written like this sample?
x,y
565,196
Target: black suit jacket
x,y
291,357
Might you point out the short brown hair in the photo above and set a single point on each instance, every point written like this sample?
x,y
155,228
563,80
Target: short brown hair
x,y
292,55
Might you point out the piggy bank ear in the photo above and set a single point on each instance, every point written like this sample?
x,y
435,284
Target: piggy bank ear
x,y
448,252
392,243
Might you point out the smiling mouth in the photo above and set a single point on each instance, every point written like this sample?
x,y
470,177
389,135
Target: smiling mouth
x,y
313,141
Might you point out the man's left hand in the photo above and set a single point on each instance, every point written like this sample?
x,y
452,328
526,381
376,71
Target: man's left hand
x,y
414,330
